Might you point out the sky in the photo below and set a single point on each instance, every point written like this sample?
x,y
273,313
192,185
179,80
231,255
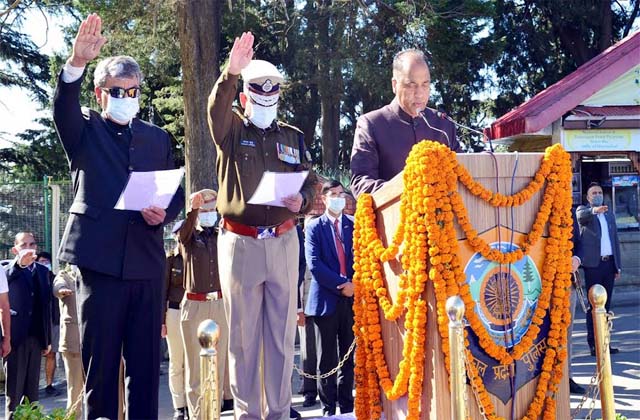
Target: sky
x,y
17,109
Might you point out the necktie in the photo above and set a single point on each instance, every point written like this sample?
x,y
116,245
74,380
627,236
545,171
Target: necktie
x,y
341,257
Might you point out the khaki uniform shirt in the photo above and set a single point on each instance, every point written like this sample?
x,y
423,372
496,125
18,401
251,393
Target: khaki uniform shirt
x,y
245,152
199,249
174,287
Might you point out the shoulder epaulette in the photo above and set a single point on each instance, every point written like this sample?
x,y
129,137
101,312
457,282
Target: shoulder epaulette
x,y
239,113
282,124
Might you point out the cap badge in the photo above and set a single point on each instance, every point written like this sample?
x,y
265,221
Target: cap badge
x,y
267,86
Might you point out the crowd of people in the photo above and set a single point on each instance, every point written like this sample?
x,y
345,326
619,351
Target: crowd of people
x,y
239,264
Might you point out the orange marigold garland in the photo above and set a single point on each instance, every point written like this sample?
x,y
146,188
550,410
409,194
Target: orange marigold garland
x,y
429,204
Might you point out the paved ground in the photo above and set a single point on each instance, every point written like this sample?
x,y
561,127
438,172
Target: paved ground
x,y
626,366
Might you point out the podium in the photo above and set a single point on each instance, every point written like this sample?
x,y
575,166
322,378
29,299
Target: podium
x,y
496,173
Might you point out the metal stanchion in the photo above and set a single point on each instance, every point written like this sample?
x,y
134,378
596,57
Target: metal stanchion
x,y
208,334
455,311
598,298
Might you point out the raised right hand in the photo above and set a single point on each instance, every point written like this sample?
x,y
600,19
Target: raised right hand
x,y
600,209
241,53
197,200
26,257
88,42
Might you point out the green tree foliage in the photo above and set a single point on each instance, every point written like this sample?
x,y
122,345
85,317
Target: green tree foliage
x,y
541,41
22,64
337,56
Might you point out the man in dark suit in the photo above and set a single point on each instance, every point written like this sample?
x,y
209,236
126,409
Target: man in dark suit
x,y
329,255
120,253
598,250
30,300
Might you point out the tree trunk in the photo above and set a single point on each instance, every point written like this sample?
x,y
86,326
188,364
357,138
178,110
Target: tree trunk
x,y
329,81
606,35
199,27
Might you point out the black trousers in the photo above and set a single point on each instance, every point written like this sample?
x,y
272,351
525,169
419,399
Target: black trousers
x,y
308,356
120,319
22,374
334,335
604,274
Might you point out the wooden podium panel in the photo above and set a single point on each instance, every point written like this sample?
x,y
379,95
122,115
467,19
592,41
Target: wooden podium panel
x,y
495,173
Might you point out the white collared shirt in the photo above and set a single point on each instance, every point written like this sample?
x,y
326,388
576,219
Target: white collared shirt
x,y
332,220
605,238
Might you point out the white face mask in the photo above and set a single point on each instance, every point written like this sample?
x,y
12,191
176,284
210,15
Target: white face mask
x,y
122,110
208,219
262,116
336,204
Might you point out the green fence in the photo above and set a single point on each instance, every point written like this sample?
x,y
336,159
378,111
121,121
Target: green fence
x,y
41,207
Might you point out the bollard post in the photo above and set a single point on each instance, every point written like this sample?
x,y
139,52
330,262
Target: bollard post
x,y
598,298
455,311
208,334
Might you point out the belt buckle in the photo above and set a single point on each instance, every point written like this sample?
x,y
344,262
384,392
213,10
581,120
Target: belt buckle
x,y
266,233
605,258
213,296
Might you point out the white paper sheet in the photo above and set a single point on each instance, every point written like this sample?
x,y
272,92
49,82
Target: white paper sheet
x,y
154,188
274,186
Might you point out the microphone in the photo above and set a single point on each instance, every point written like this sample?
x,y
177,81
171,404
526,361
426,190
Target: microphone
x,y
441,114
421,113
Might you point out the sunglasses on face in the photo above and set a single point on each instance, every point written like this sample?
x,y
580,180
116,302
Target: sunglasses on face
x,y
118,92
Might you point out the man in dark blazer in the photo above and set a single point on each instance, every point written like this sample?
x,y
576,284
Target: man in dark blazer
x,y
329,255
30,300
120,253
598,249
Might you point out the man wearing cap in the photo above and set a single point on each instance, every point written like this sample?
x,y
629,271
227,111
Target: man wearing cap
x,y
120,253
174,292
384,137
198,238
258,243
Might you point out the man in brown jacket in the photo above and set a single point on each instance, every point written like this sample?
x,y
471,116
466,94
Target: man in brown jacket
x,y
198,239
258,244
171,330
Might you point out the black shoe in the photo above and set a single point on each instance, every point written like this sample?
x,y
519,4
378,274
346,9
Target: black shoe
x,y
328,411
575,388
227,405
309,400
293,414
51,391
180,414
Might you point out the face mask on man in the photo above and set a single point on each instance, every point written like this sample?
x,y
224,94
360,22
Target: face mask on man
x,y
208,219
336,204
597,200
263,116
122,110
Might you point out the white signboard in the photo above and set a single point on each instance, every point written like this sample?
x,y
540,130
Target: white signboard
x,y
600,140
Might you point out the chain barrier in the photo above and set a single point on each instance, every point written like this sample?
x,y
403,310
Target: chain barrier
x,y
210,377
332,371
474,388
593,390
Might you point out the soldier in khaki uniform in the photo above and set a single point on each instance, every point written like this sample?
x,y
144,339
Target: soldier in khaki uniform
x,y
198,239
258,245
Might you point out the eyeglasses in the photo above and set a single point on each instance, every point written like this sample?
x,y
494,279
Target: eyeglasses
x,y
118,92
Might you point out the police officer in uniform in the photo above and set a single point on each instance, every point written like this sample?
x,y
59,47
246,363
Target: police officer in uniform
x,y
198,239
258,245
174,292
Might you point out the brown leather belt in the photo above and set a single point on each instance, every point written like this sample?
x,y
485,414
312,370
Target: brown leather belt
x,y
202,297
606,257
260,232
